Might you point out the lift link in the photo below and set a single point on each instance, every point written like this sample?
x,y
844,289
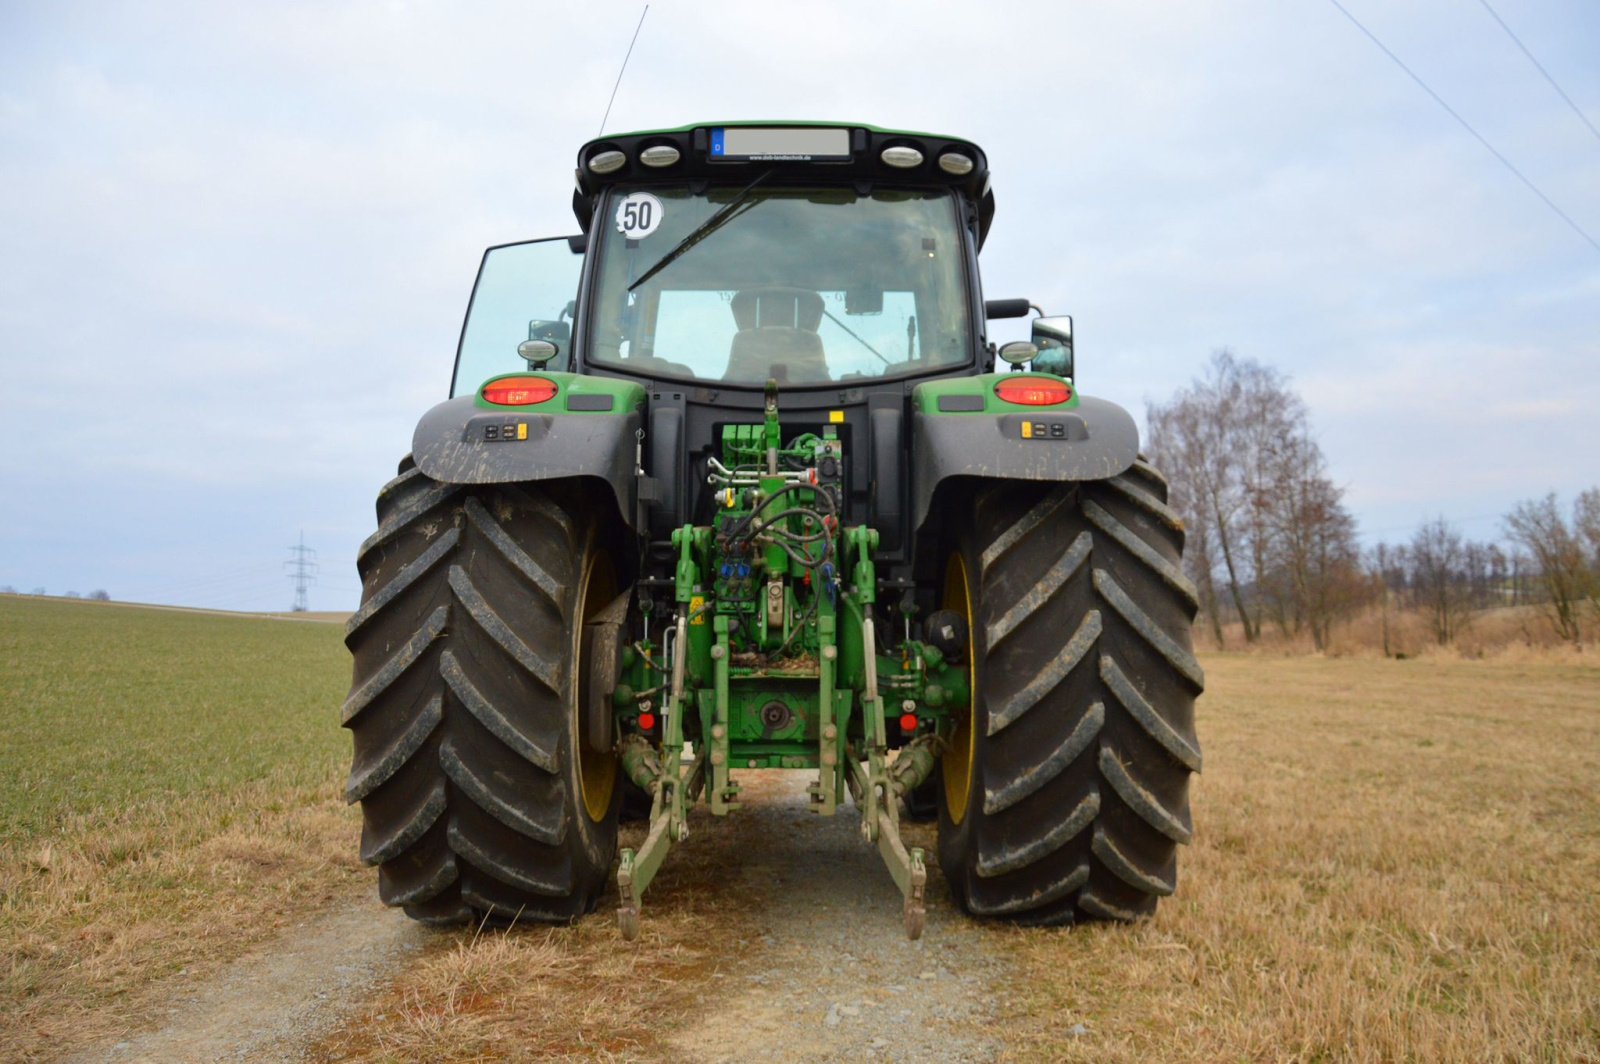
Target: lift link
x,y
668,817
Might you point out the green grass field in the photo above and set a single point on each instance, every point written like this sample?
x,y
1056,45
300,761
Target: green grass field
x,y
108,707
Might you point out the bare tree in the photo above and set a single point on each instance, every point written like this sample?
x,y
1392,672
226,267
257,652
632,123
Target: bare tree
x,y
1311,545
1586,526
1267,526
1438,554
1563,555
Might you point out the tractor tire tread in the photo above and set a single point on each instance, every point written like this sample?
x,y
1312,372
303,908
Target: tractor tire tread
x,y
1087,680
458,705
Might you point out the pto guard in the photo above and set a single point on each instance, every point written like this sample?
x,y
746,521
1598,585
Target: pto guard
x,y
461,441
1093,439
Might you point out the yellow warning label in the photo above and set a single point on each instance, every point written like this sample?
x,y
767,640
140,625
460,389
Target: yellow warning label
x,y
1027,430
836,417
696,607
522,430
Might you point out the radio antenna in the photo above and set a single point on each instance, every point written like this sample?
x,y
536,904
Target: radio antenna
x,y
624,70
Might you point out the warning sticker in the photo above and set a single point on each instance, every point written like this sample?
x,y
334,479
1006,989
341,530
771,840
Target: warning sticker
x,y
697,609
638,215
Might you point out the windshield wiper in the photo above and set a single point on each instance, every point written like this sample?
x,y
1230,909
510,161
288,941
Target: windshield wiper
x,y
701,231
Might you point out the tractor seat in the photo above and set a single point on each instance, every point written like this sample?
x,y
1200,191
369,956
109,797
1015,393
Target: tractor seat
x,y
777,336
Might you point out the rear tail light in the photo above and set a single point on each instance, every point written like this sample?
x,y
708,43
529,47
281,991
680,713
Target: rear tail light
x,y
1033,391
519,391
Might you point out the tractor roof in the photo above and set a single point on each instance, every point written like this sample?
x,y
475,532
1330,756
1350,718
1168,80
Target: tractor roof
x,y
802,152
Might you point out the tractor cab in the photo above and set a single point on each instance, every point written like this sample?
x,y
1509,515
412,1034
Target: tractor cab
x,y
737,254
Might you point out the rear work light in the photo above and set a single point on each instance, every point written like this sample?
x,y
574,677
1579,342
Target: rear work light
x,y
1033,391
519,391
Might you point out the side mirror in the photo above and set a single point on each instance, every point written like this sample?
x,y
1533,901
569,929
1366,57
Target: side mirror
x,y
552,334
1017,352
1053,338
537,352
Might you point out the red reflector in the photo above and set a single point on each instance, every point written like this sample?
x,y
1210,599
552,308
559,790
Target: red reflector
x,y
908,723
519,391
1033,391
647,721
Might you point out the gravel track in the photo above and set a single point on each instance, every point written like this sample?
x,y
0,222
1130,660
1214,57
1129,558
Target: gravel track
x,y
831,975
273,1002
817,964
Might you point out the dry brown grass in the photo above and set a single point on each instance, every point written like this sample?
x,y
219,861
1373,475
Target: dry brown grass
x,y
574,993
1393,861
96,917
1511,635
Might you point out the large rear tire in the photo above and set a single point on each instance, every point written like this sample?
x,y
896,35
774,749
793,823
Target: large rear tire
x,y
1066,796
478,795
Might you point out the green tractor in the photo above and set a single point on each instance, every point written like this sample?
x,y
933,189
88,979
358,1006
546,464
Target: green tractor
x,y
730,481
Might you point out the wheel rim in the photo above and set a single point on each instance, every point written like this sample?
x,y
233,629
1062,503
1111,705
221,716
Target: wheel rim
x,y
956,764
597,772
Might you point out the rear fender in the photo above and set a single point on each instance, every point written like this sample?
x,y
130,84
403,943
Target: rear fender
x,y
959,428
589,429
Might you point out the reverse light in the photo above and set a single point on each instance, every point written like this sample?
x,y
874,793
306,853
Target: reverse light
x,y
952,162
902,157
519,391
660,155
607,162
1033,391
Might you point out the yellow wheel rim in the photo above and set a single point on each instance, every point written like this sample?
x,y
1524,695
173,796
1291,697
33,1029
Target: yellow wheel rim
x,y
961,755
597,772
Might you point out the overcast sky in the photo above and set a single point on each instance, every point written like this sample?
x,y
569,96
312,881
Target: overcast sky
x,y
236,241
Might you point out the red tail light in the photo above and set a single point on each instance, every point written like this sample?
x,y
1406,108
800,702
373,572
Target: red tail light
x,y
519,391
1033,391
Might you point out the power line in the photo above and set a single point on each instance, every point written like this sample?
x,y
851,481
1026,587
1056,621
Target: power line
x,y
1540,66
1548,202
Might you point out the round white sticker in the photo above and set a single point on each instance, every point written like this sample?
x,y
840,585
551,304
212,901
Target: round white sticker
x,y
638,215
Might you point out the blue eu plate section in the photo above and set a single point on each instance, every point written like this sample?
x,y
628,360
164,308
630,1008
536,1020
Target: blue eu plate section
x,y
717,141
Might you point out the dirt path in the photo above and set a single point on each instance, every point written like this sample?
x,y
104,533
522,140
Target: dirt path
x,y
830,974
273,1002
816,965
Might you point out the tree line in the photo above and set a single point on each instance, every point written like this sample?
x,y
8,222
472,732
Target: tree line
x,y
1272,546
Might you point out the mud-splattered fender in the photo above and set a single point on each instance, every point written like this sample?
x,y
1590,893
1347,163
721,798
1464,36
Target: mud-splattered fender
x,y
461,442
1095,440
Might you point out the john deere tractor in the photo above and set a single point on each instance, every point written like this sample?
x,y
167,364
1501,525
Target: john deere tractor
x,y
734,479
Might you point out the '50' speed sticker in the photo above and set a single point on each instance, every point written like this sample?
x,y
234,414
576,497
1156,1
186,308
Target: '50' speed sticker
x,y
638,215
